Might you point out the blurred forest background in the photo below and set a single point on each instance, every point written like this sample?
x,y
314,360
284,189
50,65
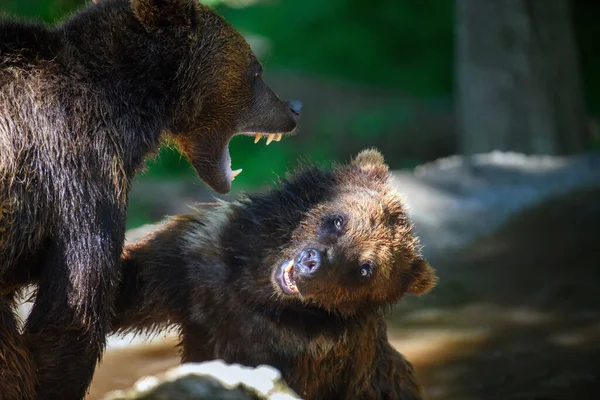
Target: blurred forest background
x,y
516,313
404,76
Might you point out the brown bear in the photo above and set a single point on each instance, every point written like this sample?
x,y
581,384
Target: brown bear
x,y
298,277
81,105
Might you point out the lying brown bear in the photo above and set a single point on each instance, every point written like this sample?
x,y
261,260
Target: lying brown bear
x,y
298,277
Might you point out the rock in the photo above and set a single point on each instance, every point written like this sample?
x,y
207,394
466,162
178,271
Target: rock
x,y
209,380
456,200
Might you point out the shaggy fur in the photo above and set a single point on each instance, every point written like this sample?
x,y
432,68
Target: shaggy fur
x,y
218,275
81,105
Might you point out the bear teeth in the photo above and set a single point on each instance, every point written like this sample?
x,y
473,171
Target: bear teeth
x,y
235,173
271,137
287,277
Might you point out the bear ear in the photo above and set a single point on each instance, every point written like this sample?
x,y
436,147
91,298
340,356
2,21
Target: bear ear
x,y
423,277
371,160
154,14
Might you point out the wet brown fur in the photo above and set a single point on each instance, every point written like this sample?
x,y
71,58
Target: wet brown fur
x,y
214,274
81,105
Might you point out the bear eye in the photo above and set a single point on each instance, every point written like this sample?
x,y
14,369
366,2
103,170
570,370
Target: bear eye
x,y
332,226
338,223
366,269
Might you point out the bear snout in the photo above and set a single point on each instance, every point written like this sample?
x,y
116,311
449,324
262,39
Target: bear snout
x,y
295,107
308,262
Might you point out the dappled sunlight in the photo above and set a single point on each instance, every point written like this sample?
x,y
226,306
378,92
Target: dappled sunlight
x,y
584,336
481,313
484,351
432,336
124,365
432,346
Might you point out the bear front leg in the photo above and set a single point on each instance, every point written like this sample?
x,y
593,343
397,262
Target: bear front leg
x,y
69,321
394,377
17,369
196,344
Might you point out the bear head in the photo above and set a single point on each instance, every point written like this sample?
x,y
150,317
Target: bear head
x,y
338,239
214,80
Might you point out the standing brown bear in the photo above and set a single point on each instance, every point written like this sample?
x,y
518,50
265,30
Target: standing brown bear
x,y
298,278
81,105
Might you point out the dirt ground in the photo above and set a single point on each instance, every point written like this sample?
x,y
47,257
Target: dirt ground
x,y
516,315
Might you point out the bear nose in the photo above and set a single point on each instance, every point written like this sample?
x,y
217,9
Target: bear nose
x,y
308,262
295,106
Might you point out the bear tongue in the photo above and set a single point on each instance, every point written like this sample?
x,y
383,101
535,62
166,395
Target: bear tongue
x,y
226,166
212,163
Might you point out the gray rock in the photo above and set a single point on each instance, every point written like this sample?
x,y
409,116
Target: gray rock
x,y
210,380
455,200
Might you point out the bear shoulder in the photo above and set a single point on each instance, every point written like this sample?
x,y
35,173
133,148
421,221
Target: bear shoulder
x,y
24,42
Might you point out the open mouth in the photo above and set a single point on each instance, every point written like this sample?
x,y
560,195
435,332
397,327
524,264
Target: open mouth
x,y
226,159
286,278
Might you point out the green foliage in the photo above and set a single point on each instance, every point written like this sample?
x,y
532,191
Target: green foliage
x,y
406,45
45,10
138,214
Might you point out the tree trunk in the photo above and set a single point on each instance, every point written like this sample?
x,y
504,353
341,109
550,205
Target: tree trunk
x,y
518,85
